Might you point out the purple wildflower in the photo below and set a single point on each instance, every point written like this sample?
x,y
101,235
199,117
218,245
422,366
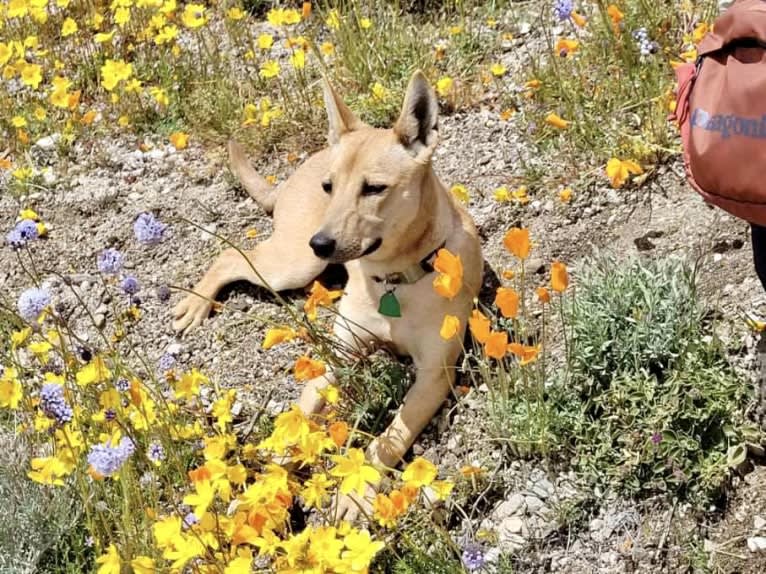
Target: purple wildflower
x,y
148,229
24,232
645,44
53,403
473,557
122,385
110,414
656,438
190,520
32,302
166,363
562,9
155,452
107,459
163,293
110,261
130,285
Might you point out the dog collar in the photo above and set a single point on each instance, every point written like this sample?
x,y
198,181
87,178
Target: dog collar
x,y
413,273
389,305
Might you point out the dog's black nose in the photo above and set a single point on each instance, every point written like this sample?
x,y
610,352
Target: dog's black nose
x,y
323,245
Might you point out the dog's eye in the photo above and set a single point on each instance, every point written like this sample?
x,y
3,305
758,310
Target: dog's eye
x,y
327,186
368,189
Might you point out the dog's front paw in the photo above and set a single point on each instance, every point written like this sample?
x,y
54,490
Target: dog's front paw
x,y
190,312
350,507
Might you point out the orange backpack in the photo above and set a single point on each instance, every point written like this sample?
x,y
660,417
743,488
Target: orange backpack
x,y
721,110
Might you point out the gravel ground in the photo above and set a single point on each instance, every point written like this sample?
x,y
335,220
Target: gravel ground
x,y
91,201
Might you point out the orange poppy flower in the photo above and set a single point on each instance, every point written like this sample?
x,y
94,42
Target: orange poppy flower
x,y
450,327
307,368
450,279
559,277
526,354
566,46
319,296
517,242
556,121
615,14
507,300
618,171
470,470
338,432
277,335
409,491
479,325
496,345
543,295
579,20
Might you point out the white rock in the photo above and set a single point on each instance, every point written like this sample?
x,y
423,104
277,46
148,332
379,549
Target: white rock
x,y
759,523
174,349
513,524
596,524
513,506
49,178
509,542
207,232
48,142
757,544
612,196
542,488
533,504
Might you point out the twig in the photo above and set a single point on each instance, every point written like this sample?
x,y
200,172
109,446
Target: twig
x,y
665,533
731,554
257,416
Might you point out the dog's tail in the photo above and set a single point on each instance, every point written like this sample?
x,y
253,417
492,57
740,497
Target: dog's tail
x,y
256,186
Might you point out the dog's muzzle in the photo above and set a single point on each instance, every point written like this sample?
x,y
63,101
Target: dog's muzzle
x,y
323,245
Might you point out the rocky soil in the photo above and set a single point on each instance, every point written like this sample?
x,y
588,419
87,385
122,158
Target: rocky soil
x,y
90,201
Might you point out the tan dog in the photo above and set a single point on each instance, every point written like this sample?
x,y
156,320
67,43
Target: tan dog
x,y
371,201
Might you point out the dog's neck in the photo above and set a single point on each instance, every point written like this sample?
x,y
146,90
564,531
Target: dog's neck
x,y
428,231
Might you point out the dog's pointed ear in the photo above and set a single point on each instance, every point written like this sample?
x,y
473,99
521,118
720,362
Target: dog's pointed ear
x,y
417,123
339,117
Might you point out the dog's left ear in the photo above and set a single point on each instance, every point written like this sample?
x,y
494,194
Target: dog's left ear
x,y
340,118
417,123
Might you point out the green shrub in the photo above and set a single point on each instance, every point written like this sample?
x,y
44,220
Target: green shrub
x,y
660,404
40,526
647,401
632,317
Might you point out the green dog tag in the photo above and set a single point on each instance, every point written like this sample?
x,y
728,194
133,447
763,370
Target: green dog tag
x,y
389,305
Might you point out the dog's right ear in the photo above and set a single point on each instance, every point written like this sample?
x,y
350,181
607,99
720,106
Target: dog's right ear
x,y
339,117
417,123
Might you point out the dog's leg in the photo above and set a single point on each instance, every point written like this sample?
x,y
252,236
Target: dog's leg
x,y
435,376
353,340
432,385
278,267
311,400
